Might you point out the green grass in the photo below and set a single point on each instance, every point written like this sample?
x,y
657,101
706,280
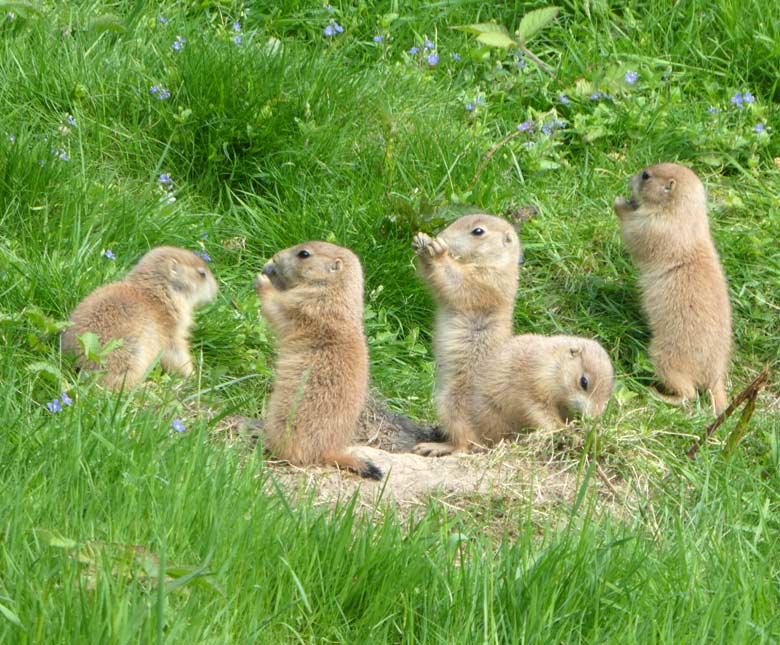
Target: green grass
x,y
279,141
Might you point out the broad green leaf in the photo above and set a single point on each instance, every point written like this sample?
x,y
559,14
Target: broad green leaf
x,y
483,28
90,345
496,39
534,21
47,369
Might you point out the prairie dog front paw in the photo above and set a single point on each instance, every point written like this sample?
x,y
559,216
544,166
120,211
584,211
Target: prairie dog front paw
x,y
262,284
438,247
421,242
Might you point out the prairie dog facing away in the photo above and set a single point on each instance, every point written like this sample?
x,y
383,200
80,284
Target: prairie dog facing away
x,y
665,228
150,311
489,383
312,297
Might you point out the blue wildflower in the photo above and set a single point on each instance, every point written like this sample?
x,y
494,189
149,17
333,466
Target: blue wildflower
x,y
747,97
433,59
66,400
456,57
378,38
712,110
329,9
165,179
595,96
329,31
759,128
429,44
178,426
564,99
109,254
470,106
526,126
238,39
71,121
206,257
179,43
236,26
630,77
162,20
54,406
414,50
737,99
160,92
480,100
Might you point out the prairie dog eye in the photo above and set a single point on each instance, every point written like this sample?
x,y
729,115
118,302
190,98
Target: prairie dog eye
x,y
303,253
478,231
584,382
645,175
202,272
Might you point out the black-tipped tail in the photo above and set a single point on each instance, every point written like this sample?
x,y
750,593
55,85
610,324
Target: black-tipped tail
x,y
369,470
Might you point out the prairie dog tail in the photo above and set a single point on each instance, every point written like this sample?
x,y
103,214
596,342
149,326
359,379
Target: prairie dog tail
x,y
362,467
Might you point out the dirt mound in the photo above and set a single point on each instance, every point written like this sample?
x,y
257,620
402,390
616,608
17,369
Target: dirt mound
x,y
544,469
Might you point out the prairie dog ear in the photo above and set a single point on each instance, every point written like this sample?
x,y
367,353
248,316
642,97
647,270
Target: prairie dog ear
x,y
335,266
575,351
507,239
173,266
669,187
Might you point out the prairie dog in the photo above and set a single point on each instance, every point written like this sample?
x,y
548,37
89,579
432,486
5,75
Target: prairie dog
x,y
150,311
489,383
541,382
471,268
312,297
665,228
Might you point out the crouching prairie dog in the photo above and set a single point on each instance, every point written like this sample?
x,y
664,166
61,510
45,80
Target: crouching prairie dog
x,y
665,228
490,384
150,311
312,297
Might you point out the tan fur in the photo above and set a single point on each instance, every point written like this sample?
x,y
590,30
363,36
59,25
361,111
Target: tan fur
x,y
684,294
150,311
489,383
314,305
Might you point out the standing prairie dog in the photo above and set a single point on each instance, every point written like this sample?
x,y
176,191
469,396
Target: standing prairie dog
x,y
684,294
312,297
150,311
489,383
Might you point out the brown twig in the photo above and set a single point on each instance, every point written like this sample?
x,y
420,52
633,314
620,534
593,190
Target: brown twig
x,y
603,477
489,155
536,60
750,392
